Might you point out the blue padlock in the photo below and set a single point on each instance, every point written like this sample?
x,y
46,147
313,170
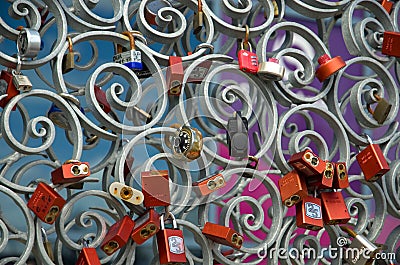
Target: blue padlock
x,y
56,115
132,58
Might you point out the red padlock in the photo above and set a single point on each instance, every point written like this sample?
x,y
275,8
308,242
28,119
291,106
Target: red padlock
x,y
325,180
71,171
328,66
334,208
46,203
198,74
102,99
171,247
248,60
175,75
307,163
146,226
208,185
372,162
387,5
340,178
88,256
309,214
391,43
223,235
7,87
293,188
155,188
118,235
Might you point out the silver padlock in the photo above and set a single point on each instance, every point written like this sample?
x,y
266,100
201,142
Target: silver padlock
x,y
271,70
21,82
28,43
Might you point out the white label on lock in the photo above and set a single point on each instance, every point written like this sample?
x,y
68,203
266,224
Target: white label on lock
x,y
176,245
313,210
128,56
126,193
3,87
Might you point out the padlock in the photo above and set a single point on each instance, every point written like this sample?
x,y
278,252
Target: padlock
x,y
47,245
237,136
88,256
46,203
127,166
102,99
382,109
20,81
151,10
155,188
188,143
132,58
340,177
198,18
71,171
325,180
328,66
251,163
271,70
7,87
171,248
391,43
118,235
293,188
68,62
207,185
334,208
387,5
198,74
126,193
28,43
372,162
248,60
309,214
57,116
174,75
307,163
223,235
366,250
146,226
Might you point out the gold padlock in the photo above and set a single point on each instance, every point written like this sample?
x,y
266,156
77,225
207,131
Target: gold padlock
x,y
198,18
68,62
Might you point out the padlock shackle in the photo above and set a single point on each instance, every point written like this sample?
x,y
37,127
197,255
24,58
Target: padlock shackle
x,y
132,45
70,44
368,138
349,231
199,6
44,235
174,223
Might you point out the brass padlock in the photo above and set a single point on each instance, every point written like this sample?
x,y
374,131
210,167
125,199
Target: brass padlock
x,y
21,82
382,109
68,62
198,18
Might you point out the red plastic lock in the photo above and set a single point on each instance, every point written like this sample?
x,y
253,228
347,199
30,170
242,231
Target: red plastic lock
x,y
88,256
340,178
223,235
175,75
391,43
248,60
387,5
146,226
334,208
307,163
208,185
293,188
325,180
328,66
309,214
155,188
118,235
71,171
372,162
7,87
46,203
102,99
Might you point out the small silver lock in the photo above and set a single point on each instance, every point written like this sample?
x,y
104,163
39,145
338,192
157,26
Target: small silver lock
x,y
271,70
28,42
21,82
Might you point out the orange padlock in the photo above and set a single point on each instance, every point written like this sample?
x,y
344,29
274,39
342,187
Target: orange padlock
x,y
340,177
71,171
223,235
102,99
309,214
328,66
334,208
88,256
293,188
325,180
146,226
387,5
174,75
118,235
208,185
155,188
307,163
391,43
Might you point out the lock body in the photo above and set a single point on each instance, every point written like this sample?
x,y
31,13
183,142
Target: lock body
x,y
131,59
171,247
387,5
198,22
309,214
271,70
88,256
334,208
102,99
155,188
237,136
127,166
68,62
7,87
307,163
325,180
46,203
28,42
223,235
340,177
372,162
199,72
70,172
293,188
126,193
118,235
248,61
22,82
381,111
328,66
391,43
174,75
146,226
208,185
364,246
